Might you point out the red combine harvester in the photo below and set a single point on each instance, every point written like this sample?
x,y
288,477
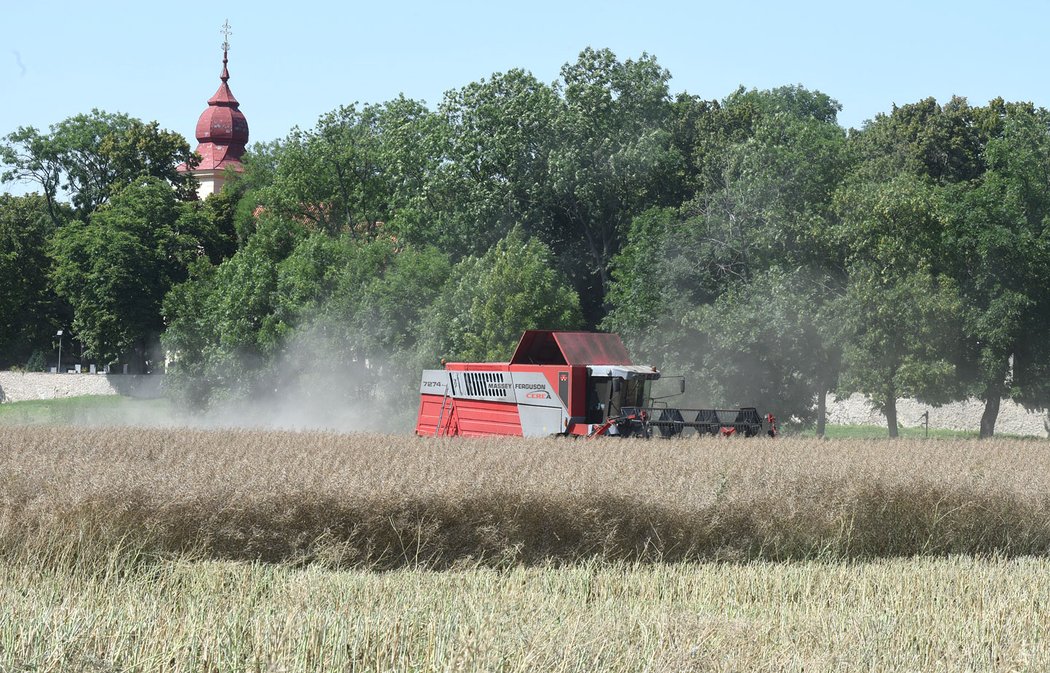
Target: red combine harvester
x,y
565,383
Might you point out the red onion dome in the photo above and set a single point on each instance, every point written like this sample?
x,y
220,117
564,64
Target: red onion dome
x,y
222,130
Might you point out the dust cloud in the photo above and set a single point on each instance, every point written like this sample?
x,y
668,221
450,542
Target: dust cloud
x,y
323,379
327,379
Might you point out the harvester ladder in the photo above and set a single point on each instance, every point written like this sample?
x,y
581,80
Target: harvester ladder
x,y
441,416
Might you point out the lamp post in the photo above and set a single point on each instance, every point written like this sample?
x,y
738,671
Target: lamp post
x,y
59,335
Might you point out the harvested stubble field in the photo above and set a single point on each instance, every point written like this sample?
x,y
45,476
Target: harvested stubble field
x,y
132,549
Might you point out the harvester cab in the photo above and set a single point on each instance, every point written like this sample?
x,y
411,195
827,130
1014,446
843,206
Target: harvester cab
x,y
611,389
567,383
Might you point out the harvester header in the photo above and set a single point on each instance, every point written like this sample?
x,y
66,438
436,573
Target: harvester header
x,y
564,383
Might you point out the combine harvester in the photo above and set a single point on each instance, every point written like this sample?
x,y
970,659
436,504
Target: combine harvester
x,y
565,383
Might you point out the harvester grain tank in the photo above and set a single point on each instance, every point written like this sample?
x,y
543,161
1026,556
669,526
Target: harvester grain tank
x,y
565,383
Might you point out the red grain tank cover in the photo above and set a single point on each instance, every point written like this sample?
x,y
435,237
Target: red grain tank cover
x,y
546,347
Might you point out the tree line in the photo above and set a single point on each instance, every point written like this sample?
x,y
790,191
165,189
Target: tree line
x,y
750,244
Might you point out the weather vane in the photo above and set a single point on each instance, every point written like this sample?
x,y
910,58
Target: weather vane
x,y
226,32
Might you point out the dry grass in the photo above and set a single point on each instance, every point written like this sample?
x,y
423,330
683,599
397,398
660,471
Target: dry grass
x,y
140,550
921,614
384,501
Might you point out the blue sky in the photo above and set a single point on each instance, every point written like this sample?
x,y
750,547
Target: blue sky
x,y
290,62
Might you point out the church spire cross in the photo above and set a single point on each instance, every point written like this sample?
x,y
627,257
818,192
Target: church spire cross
x,y
226,32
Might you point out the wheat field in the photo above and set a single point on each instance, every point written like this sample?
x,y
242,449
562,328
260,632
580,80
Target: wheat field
x,y
923,614
384,501
177,550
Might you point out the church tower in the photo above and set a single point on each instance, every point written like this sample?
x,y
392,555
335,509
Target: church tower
x,y
222,132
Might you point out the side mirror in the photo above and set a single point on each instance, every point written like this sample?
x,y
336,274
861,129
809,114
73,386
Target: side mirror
x,y
682,387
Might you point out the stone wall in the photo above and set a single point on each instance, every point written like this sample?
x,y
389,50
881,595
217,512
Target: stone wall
x,y
19,387
1013,418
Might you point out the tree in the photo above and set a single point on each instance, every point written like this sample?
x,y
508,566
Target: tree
x,y
1000,255
714,128
769,343
215,221
367,172
222,329
115,268
900,330
246,190
732,288
641,274
690,123
414,152
330,319
785,177
89,157
942,144
494,298
901,311
500,136
614,160
969,187
331,176
358,305
29,309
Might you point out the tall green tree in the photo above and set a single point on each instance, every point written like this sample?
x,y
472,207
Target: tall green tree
x,y
942,144
501,134
357,170
244,193
615,159
493,298
87,158
414,153
355,310
902,333
979,175
115,268
998,242
331,319
331,175
742,274
222,329
770,342
29,309
901,330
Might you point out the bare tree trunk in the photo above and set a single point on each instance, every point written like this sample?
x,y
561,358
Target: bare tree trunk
x,y
891,414
991,413
822,411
